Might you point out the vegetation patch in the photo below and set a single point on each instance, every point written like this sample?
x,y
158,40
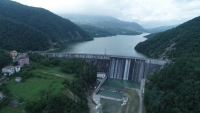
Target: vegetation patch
x,y
32,88
50,85
132,106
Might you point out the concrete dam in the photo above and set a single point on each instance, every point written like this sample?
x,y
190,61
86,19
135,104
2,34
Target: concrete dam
x,y
118,67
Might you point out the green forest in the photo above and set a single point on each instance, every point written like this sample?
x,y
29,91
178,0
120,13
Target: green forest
x,y
18,36
176,88
5,58
47,28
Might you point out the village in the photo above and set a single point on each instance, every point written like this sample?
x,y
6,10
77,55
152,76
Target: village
x,y
19,60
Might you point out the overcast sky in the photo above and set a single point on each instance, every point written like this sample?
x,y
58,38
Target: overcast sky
x,y
148,13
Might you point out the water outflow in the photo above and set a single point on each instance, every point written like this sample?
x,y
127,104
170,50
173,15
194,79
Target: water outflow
x,y
130,69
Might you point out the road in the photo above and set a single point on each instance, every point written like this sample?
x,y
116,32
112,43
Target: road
x,y
141,93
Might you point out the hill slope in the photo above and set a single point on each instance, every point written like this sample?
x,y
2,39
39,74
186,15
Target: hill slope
x,y
174,89
18,36
178,41
57,28
105,25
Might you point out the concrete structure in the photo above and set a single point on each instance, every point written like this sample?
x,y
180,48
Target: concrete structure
x,y
95,97
118,67
8,70
17,68
18,79
1,95
13,53
23,61
101,75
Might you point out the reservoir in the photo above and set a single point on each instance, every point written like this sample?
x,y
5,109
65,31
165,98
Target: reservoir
x,y
122,45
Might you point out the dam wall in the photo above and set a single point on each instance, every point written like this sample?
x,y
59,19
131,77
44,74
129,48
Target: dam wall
x,y
118,67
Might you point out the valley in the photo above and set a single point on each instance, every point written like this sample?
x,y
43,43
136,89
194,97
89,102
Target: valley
x,y
99,57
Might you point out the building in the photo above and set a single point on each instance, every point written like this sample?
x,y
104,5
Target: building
x,y
101,75
20,55
13,53
23,60
17,68
11,70
18,79
8,70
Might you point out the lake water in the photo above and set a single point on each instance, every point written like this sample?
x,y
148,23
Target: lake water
x,y
122,45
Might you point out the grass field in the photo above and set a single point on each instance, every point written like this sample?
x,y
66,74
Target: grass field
x,y
54,71
44,79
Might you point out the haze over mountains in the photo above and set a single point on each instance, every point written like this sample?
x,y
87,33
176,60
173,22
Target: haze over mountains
x,y
105,25
49,28
160,29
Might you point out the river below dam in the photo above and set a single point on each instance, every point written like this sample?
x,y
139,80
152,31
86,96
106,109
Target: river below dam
x,y
122,45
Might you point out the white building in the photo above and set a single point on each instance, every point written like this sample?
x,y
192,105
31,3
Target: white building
x,y
8,69
11,69
17,68
18,79
101,75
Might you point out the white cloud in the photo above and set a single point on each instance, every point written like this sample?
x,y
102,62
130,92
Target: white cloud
x,y
157,12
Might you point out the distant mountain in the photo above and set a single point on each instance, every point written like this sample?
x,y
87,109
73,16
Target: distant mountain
x,y
160,29
55,27
105,25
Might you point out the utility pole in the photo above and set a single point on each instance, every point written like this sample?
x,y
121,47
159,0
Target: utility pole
x,y
105,51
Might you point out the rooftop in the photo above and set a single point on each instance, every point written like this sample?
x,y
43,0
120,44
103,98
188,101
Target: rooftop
x,y
8,67
24,57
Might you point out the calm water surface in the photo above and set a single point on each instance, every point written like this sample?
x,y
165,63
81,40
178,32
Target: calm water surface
x,y
122,45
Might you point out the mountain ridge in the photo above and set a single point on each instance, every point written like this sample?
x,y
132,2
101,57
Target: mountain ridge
x,y
105,25
56,27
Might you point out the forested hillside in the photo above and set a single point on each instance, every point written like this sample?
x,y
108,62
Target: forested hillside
x,y
18,36
57,28
99,26
176,88
5,58
176,42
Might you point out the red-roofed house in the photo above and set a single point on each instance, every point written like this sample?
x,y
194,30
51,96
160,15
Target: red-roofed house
x,y
23,60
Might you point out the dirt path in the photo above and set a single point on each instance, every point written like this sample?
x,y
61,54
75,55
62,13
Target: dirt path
x,y
91,104
58,75
129,97
140,94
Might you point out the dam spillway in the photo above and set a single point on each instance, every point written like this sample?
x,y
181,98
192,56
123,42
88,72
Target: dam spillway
x,y
117,67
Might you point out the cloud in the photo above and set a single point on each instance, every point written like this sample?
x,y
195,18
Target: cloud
x,y
157,12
